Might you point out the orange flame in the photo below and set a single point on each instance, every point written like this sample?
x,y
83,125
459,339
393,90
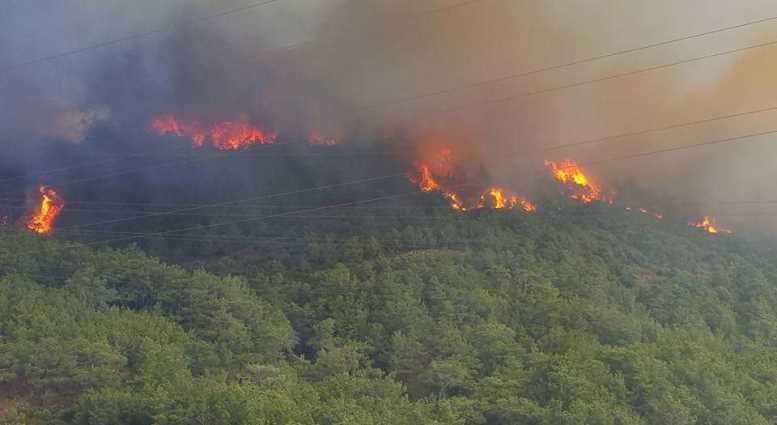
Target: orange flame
x,y
580,186
51,204
426,181
455,201
437,172
709,225
500,199
225,135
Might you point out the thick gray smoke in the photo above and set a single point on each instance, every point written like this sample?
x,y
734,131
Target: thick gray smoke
x,y
387,67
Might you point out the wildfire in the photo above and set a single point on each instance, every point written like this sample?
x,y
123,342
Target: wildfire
x,y
225,135
426,181
455,201
581,188
709,224
51,204
501,199
436,174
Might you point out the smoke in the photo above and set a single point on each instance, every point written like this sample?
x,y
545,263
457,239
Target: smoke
x,y
402,70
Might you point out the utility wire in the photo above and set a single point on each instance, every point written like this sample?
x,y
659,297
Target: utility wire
x,y
420,95
506,99
193,156
508,77
256,198
625,157
742,138
512,98
657,129
203,19
136,36
209,226
635,72
546,149
193,207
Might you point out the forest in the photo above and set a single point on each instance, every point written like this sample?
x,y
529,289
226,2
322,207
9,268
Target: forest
x,y
578,314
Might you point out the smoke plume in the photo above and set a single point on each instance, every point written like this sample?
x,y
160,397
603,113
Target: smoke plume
x,y
406,72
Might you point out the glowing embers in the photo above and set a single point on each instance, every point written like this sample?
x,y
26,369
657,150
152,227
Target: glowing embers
x,y
576,183
225,135
51,204
657,215
318,139
710,225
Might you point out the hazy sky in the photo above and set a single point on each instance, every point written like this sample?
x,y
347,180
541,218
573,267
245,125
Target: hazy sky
x,y
367,57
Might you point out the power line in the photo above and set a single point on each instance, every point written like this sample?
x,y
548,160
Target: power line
x,y
512,98
567,64
658,129
136,36
326,207
71,168
257,4
189,158
182,211
268,196
276,240
548,149
625,157
389,213
636,72
167,29
132,171
244,154
641,132
681,148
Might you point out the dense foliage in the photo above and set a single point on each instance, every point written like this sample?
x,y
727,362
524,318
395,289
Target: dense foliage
x,y
580,315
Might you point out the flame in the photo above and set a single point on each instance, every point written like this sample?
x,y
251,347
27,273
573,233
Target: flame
x,y
709,224
581,188
436,173
51,204
500,199
430,172
426,181
455,201
657,215
225,135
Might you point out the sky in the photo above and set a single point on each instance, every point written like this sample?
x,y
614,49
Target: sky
x,y
407,68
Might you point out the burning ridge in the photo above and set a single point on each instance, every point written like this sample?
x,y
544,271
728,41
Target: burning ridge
x,y
575,183
437,173
225,135
229,135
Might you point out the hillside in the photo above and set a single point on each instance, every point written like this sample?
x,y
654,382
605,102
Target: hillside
x,y
582,315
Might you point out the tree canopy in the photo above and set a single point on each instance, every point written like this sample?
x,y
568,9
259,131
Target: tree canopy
x,y
579,315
